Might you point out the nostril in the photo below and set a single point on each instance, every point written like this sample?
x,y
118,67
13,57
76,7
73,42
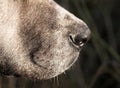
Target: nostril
x,y
78,39
84,40
71,38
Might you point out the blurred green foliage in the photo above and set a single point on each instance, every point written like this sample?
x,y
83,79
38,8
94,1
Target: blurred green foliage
x,y
99,63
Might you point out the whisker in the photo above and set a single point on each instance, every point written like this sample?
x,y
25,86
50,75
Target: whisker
x,y
57,80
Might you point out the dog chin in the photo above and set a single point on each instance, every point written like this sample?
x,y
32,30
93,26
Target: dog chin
x,y
57,64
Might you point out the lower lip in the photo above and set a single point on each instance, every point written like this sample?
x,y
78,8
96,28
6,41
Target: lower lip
x,y
71,62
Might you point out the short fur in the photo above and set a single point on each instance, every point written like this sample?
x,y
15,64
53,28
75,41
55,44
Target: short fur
x,y
34,38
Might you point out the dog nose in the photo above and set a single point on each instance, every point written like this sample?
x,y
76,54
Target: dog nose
x,y
79,39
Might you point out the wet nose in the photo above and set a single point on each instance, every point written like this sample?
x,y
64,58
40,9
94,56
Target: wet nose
x,y
79,39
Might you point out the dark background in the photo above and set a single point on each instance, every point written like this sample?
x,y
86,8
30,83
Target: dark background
x,y
99,62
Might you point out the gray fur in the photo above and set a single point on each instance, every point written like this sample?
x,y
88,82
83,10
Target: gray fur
x,y
34,38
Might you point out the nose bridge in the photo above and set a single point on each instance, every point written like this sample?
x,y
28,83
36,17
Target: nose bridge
x,y
65,17
74,25
79,32
77,26
68,19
